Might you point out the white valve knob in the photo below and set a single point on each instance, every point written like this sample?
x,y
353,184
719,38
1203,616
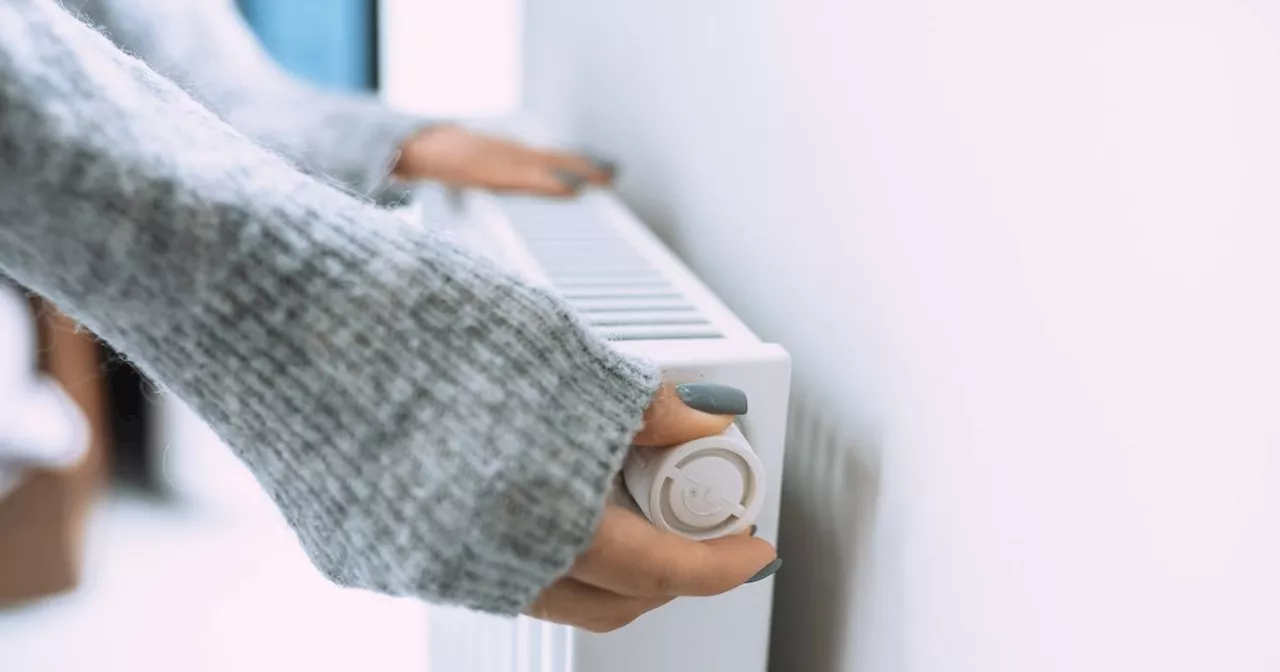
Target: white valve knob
x,y
706,488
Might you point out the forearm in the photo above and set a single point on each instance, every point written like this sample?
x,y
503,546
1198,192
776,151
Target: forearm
x,y
428,425
205,46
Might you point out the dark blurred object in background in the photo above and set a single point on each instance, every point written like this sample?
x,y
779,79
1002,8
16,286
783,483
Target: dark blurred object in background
x,y
135,457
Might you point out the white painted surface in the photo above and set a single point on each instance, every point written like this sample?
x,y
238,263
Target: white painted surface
x,y
449,58
1024,255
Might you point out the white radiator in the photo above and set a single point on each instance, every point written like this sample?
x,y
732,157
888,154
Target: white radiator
x,y
634,291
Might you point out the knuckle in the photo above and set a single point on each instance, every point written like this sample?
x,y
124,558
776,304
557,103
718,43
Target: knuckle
x,y
680,570
615,621
539,611
664,580
689,574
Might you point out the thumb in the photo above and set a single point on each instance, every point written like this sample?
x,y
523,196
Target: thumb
x,y
680,413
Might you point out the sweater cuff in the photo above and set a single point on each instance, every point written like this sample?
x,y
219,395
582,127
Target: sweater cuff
x,y
429,426
351,141
365,139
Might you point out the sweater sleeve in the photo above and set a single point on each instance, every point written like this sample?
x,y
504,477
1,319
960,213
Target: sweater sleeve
x,y
206,47
428,425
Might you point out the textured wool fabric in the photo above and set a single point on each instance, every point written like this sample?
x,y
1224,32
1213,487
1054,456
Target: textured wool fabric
x,y
429,425
205,47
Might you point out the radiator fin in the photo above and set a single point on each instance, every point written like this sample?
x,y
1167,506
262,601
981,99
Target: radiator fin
x,y
620,293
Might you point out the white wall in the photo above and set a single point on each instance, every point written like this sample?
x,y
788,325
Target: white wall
x,y
1024,255
450,58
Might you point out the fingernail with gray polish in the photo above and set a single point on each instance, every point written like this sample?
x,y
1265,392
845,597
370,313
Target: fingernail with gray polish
x,y
570,179
605,166
752,531
768,571
713,398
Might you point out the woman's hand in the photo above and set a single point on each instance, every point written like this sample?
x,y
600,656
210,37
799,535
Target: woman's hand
x,y
462,158
633,567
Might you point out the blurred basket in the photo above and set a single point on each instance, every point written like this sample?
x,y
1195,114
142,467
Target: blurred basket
x,y
43,517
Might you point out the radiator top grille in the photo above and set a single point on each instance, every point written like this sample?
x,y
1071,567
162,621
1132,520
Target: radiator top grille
x,y
621,294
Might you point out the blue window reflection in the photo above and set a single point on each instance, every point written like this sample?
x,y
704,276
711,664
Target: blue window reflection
x,y
330,42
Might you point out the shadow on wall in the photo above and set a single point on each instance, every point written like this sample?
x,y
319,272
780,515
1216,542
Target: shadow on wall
x,y
830,497
831,505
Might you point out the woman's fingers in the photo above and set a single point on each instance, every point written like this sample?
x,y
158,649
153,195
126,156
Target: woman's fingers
x,y
575,603
538,171
592,169
570,172
523,170
515,176
631,566
670,420
457,156
632,569
631,557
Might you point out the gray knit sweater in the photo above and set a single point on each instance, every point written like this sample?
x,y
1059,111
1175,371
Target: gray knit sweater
x,y
206,47
429,425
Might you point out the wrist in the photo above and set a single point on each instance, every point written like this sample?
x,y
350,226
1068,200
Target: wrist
x,y
417,152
